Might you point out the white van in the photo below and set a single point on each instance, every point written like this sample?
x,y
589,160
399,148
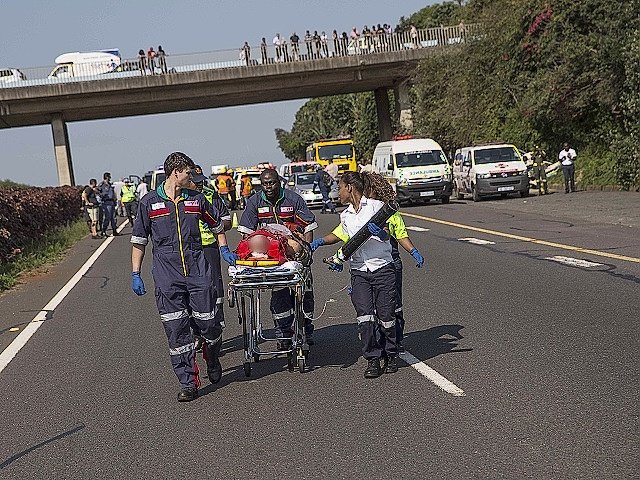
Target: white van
x,y
288,169
489,170
11,75
416,167
86,64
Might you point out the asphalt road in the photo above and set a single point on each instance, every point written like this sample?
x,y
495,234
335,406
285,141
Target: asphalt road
x,y
545,352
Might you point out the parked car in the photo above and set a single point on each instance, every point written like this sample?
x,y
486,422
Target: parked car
x,y
302,184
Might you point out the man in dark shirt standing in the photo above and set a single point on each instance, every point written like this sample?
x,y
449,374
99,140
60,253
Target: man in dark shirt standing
x,y
108,198
295,46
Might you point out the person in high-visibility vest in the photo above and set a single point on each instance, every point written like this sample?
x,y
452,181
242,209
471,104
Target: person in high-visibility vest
x,y
129,200
223,186
209,244
246,188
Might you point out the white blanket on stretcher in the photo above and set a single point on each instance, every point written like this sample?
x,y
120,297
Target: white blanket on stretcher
x,y
287,267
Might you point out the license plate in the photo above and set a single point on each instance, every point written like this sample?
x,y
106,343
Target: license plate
x,y
430,193
505,189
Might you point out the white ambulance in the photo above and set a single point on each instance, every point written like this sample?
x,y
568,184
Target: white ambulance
x,y
417,168
484,170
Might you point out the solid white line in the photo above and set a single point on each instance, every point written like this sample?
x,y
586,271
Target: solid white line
x,y
477,241
23,337
428,372
574,262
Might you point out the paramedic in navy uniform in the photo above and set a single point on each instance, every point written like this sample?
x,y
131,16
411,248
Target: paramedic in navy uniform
x,y
183,278
275,204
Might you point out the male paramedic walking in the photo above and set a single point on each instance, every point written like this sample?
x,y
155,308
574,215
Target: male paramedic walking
x,y
183,279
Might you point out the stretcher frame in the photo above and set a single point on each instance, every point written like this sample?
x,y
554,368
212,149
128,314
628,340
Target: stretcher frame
x,y
245,290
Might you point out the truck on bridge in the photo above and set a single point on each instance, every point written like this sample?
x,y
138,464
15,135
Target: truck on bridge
x,y
86,64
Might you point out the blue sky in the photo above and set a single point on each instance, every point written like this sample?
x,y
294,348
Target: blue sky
x,y
33,33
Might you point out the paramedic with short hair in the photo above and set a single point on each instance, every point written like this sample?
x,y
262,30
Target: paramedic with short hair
x,y
184,280
275,204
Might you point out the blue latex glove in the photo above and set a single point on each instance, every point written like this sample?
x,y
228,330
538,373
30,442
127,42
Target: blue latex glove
x,y
417,257
336,267
318,242
349,291
228,256
137,285
376,231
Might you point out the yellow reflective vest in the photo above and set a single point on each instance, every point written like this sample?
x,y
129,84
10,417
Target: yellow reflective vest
x,y
128,194
206,235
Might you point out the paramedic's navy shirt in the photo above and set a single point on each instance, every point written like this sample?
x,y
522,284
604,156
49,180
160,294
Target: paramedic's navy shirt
x,y
289,208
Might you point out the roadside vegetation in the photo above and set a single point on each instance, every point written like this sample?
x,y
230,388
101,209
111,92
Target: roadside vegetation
x,y
45,250
540,71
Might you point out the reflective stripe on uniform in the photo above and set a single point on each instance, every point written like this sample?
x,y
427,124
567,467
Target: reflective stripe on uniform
x,y
366,318
205,315
168,317
389,324
183,349
286,314
139,240
219,300
398,310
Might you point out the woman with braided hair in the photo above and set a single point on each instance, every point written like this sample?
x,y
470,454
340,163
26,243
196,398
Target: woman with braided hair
x,y
372,269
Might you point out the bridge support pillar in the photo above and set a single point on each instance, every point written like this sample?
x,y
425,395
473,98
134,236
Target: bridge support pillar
x,y
385,130
403,106
62,150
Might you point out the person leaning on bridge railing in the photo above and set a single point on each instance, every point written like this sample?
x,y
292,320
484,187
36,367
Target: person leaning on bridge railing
x,y
162,60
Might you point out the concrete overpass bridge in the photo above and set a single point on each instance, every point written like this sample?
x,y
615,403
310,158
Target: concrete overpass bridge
x,y
362,66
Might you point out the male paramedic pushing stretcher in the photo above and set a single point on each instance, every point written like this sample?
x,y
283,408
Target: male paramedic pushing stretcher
x,y
183,278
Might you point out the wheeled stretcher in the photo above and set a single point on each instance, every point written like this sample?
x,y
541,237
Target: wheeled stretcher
x,y
246,287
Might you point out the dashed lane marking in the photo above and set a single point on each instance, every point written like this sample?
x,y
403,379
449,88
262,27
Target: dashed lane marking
x,y
417,229
32,327
433,376
477,241
525,239
574,262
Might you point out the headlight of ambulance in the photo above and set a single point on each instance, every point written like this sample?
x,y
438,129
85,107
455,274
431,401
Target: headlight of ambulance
x,y
522,172
483,175
403,182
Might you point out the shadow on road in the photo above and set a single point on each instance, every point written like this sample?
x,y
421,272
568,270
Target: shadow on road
x,y
338,346
21,454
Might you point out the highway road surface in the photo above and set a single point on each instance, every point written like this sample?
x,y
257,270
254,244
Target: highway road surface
x,y
522,362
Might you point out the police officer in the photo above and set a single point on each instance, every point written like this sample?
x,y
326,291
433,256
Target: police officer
x,y
539,159
128,199
323,181
275,204
211,250
184,280
108,204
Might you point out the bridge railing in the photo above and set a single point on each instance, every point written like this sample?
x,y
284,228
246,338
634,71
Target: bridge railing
x,y
432,38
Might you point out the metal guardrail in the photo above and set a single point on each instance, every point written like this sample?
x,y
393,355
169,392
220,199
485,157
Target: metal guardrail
x,y
441,37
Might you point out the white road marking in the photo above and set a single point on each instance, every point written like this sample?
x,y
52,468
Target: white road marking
x,y
32,327
417,229
574,262
477,241
433,376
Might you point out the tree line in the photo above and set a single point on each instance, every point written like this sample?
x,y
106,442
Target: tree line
x,y
539,72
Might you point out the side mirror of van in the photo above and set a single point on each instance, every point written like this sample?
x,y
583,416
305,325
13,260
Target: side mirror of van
x,y
466,163
390,166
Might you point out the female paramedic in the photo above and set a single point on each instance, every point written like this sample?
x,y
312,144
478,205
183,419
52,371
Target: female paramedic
x,y
372,269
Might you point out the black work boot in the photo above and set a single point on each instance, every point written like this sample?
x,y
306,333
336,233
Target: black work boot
x,y
392,365
214,367
187,394
373,369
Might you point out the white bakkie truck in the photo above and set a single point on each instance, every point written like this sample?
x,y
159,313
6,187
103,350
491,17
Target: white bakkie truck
x,y
86,64
417,168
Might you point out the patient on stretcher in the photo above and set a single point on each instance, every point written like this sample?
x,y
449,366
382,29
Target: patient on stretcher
x,y
273,245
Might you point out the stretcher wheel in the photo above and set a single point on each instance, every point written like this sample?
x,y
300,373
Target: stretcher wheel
x,y
231,299
301,364
247,369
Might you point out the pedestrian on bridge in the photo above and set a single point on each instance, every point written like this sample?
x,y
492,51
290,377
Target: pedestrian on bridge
x,y
142,62
308,40
263,51
162,59
185,284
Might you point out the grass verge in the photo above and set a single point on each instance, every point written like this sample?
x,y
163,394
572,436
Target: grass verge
x,y
41,252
